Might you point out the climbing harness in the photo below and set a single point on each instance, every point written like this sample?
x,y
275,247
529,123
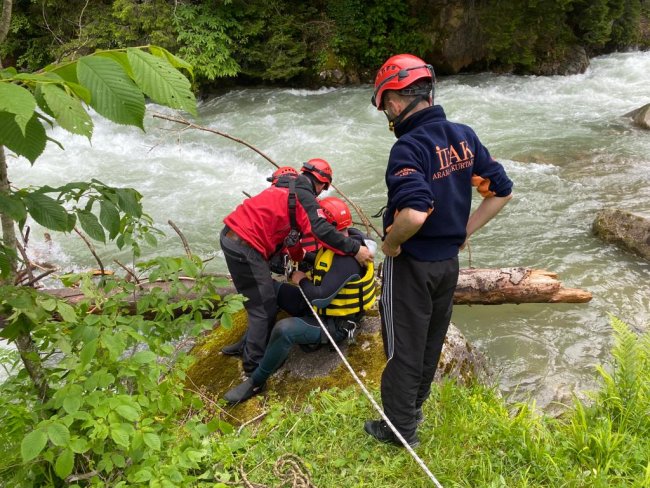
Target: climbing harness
x,y
369,396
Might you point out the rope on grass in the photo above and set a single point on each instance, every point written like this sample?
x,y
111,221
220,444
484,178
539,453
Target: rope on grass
x,y
290,471
369,396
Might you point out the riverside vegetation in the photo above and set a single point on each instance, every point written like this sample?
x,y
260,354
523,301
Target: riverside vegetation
x,y
95,394
290,41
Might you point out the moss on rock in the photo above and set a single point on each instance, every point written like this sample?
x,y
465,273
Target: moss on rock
x,y
215,373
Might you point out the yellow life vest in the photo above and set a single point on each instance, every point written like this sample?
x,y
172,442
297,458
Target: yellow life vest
x,y
354,297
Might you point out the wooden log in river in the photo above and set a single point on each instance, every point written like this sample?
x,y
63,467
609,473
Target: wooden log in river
x,y
475,287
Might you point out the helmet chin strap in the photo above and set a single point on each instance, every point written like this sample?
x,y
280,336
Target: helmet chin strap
x,y
396,120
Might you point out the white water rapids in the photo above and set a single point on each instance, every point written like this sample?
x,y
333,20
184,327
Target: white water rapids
x,y
562,140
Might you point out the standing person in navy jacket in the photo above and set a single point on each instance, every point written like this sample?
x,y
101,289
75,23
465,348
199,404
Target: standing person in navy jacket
x,y
257,229
431,170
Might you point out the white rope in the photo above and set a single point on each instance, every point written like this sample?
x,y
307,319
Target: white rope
x,y
372,400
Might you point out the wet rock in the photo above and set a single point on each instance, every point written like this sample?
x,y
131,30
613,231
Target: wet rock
x,y
641,116
625,229
573,62
334,77
303,372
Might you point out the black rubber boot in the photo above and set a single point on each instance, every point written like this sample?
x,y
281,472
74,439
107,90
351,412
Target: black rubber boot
x,y
380,431
235,349
243,392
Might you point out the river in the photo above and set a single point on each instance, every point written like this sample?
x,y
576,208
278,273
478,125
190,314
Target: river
x,y
562,140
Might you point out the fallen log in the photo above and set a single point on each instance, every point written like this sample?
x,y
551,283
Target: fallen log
x,y
475,287
514,285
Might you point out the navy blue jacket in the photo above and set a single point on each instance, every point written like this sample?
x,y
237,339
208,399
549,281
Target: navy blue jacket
x,y
430,168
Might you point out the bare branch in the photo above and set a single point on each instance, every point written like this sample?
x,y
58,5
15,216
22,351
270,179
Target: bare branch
x,y
188,124
92,250
131,273
28,264
188,251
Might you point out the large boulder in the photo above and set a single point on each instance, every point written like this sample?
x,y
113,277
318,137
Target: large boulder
x,y
574,60
626,229
214,373
640,116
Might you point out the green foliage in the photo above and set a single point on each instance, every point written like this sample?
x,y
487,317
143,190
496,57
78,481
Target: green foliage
x,y
520,34
112,83
120,211
613,23
206,39
470,436
118,408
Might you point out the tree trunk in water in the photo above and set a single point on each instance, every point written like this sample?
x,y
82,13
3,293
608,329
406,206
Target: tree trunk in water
x,y
475,287
514,285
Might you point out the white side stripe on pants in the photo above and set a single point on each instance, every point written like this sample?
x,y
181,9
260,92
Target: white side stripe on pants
x,y
387,305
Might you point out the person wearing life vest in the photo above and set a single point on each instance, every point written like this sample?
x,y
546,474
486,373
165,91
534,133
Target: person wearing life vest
x,y
260,227
340,290
431,169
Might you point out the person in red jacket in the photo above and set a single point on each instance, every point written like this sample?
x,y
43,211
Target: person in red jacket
x,y
260,227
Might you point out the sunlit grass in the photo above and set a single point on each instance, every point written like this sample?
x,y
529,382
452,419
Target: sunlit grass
x,y
472,437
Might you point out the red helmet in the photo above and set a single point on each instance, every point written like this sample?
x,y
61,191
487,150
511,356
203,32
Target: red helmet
x,y
282,170
399,72
336,212
321,170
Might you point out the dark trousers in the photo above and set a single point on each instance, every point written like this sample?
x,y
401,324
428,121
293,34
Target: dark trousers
x,y
415,306
252,278
286,333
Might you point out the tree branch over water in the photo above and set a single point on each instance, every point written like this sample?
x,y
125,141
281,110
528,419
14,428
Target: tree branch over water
x,y
180,120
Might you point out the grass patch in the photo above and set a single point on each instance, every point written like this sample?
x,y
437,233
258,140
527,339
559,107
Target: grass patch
x,y
471,436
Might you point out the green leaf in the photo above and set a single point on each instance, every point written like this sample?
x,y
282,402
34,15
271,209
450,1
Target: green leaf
x,y
226,320
66,312
67,110
144,357
88,352
32,445
128,200
67,72
58,434
175,61
47,211
71,404
79,445
120,434
19,101
64,464
91,225
114,95
109,216
114,344
142,476
5,261
80,91
120,57
12,206
128,412
161,81
152,440
30,143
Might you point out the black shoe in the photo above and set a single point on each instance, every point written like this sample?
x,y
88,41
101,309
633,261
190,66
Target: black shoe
x,y
419,416
234,349
243,392
380,431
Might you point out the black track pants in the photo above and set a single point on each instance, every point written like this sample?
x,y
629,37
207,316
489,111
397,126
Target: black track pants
x,y
252,278
415,306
